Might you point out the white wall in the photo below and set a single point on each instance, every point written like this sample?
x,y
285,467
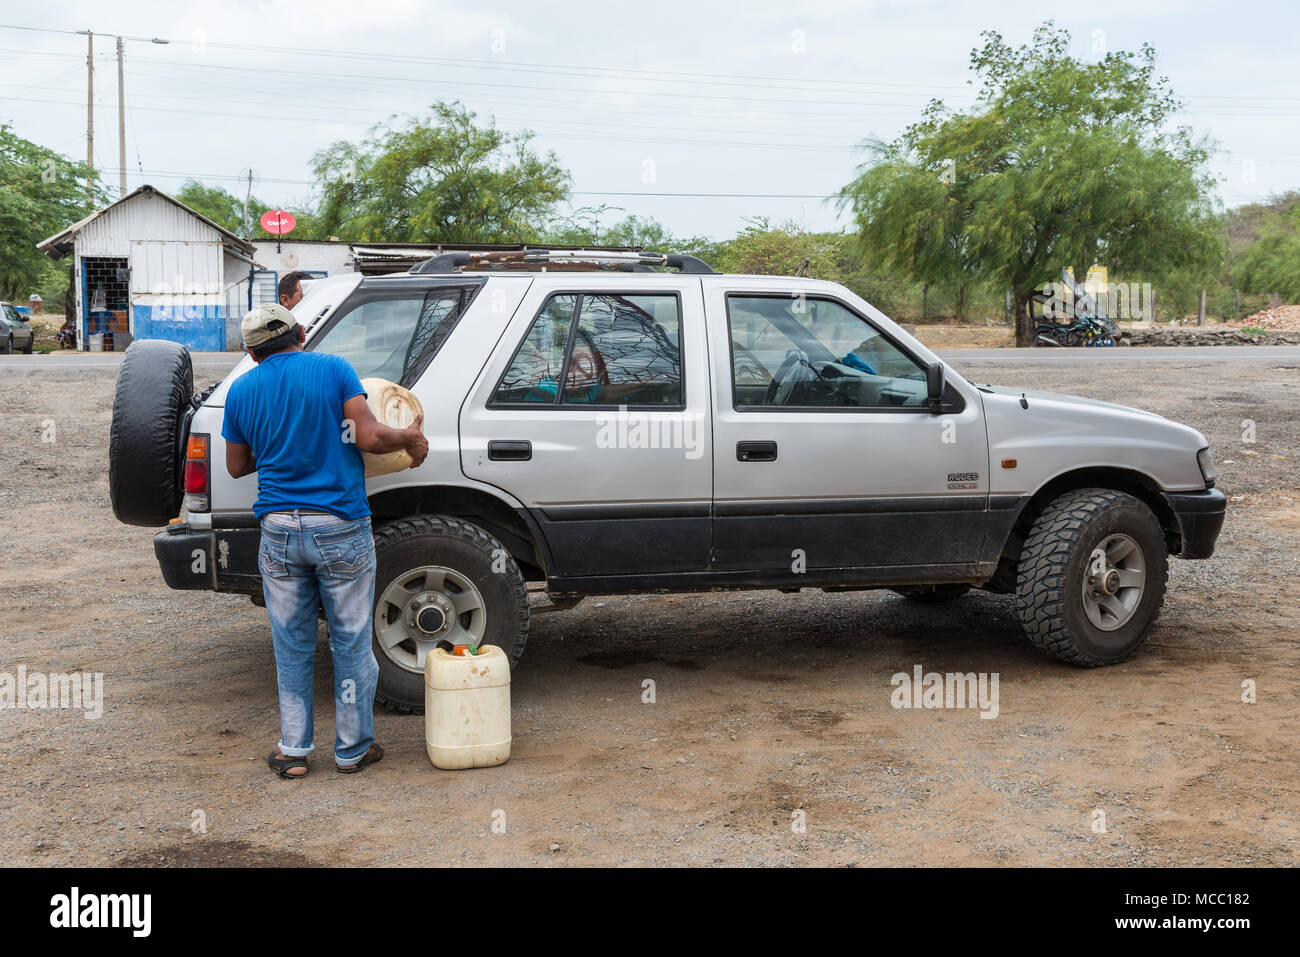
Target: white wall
x,y
333,258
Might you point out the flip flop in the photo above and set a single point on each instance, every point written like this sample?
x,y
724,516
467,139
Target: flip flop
x,y
373,754
282,763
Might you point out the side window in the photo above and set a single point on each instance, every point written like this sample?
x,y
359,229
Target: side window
x,y
599,349
796,352
535,372
395,337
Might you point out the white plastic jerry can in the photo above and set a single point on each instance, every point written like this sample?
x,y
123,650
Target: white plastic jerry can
x,y
467,708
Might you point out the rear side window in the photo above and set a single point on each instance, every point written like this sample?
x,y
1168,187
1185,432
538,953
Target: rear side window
x,y
396,336
598,349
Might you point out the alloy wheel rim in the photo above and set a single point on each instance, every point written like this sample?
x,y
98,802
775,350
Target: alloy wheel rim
x,y
1114,581
425,607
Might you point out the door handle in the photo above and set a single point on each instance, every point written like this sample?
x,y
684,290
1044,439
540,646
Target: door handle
x,y
756,451
510,450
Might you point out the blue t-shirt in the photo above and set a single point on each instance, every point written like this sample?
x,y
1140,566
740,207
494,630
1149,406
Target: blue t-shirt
x,y
289,410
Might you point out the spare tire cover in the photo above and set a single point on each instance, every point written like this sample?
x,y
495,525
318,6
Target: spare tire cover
x,y
154,385
396,407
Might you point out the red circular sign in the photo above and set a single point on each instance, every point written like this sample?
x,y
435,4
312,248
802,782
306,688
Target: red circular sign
x,y
277,222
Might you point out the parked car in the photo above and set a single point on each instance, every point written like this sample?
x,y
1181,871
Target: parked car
x,y
15,331
605,427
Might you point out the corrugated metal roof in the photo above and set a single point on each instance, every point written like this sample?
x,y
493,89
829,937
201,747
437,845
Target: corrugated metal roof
x,y
60,244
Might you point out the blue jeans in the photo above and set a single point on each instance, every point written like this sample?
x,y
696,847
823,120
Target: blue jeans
x,y
310,560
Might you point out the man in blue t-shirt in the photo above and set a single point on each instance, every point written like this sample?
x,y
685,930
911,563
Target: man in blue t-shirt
x,y
300,421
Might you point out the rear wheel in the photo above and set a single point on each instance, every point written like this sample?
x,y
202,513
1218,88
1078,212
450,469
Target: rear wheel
x,y
441,581
1091,578
31,344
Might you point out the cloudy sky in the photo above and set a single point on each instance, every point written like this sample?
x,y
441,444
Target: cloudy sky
x,y
695,113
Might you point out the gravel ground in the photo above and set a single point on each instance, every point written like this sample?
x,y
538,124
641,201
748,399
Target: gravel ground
x,y
766,704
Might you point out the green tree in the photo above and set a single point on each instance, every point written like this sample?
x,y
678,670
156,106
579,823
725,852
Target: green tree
x,y
582,228
222,207
1272,263
1060,163
764,249
442,179
41,193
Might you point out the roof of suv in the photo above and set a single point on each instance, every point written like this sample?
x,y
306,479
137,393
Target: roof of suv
x,y
560,260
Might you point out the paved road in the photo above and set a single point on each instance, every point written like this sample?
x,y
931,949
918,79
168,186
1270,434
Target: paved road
x,y
219,363
205,363
1285,355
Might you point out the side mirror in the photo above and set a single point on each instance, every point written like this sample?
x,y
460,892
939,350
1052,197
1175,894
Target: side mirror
x,y
934,385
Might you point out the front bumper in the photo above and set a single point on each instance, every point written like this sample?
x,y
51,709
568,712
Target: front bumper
x,y
1200,517
223,559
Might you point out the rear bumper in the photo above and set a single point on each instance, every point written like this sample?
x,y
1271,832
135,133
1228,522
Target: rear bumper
x,y
1200,517
210,559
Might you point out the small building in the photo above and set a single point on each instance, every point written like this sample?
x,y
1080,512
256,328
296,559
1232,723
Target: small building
x,y
149,267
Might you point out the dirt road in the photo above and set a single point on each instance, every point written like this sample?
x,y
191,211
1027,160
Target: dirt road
x,y
765,704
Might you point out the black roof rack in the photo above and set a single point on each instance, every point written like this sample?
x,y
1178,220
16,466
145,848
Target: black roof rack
x,y
560,260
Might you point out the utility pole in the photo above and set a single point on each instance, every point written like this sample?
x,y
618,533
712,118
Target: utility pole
x,y
121,125
90,115
247,196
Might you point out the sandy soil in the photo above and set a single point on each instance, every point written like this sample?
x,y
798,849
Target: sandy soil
x,y
766,704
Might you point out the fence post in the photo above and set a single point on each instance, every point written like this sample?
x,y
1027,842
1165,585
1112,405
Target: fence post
x,y
1236,305
1200,310
1006,308
1277,300
925,299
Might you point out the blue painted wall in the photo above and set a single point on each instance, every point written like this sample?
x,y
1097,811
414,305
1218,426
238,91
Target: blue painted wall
x,y
198,328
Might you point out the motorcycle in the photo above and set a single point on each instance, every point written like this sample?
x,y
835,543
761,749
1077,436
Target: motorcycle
x,y
1087,331
1083,326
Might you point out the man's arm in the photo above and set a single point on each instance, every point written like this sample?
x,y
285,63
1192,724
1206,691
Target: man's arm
x,y
373,436
239,460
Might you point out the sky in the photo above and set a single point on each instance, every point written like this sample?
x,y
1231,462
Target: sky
x,y
697,114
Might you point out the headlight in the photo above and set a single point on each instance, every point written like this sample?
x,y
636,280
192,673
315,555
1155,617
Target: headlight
x,y
1205,459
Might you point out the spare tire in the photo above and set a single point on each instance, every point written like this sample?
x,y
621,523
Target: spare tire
x,y
145,458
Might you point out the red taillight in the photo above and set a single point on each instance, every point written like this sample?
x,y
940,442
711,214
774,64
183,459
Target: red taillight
x,y
196,476
196,464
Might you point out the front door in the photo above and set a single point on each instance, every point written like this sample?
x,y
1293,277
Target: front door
x,y
826,453
594,414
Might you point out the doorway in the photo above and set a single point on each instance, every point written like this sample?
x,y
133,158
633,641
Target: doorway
x,y
105,302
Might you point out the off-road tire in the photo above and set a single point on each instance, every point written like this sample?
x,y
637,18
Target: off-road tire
x,y
934,594
154,386
460,545
1053,564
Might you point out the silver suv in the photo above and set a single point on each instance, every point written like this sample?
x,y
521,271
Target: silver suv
x,y
602,425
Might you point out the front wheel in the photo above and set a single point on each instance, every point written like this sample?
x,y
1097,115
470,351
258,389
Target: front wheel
x,y
440,581
1092,577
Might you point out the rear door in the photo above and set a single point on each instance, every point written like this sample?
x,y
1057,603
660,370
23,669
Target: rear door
x,y
593,412
826,454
